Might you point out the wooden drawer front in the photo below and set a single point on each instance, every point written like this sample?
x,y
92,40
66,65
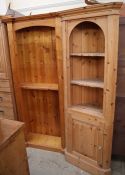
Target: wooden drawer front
x,y
2,75
4,86
5,100
6,112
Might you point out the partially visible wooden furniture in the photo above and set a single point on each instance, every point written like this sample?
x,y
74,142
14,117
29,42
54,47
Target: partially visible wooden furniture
x,y
7,101
13,158
36,59
90,46
119,126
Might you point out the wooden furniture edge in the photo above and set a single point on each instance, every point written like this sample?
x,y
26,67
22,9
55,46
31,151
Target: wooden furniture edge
x,y
44,147
15,132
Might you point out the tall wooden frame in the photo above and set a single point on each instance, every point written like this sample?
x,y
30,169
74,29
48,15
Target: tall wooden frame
x,y
50,92
90,51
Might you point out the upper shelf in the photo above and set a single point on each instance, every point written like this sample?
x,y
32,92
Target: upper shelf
x,y
88,54
40,86
90,83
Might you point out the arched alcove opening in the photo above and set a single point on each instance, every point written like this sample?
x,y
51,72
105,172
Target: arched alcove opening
x,y
87,53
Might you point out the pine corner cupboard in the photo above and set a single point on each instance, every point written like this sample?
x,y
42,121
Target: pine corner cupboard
x,y
36,60
84,42
90,52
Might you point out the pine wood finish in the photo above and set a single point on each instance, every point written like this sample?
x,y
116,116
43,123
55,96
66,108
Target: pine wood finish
x,y
13,158
47,142
90,50
7,100
36,58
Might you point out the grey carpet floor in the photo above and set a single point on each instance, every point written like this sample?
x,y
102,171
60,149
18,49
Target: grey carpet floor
x,y
43,162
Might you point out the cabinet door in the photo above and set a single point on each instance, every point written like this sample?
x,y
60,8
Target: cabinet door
x,y
84,143
3,53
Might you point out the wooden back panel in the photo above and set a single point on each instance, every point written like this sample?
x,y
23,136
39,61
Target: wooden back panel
x,y
36,55
37,63
87,37
42,111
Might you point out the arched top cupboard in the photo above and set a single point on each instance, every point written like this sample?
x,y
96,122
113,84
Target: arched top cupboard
x,y
90,53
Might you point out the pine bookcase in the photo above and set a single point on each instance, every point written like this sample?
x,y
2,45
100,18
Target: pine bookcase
x,y
36,59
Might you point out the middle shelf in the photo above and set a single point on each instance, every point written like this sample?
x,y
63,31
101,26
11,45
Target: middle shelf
x,y
89,82
88,54
40,86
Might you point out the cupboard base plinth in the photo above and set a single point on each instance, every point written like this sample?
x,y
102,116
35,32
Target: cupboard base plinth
x,y
86,166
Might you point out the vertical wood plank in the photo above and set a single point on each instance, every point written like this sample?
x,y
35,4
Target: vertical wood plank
x,y
58,33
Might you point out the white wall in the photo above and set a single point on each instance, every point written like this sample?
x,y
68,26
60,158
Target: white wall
x,y
3,6
42,6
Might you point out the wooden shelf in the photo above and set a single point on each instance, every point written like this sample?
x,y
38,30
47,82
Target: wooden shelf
x,y
47,142
88,109
90,83
40,86
88,54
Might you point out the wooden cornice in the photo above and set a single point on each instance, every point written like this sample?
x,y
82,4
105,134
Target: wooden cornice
x,y
94,8
87,10
33,17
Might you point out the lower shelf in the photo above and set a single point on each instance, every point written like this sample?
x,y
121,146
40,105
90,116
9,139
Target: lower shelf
x,y
88,109
52,143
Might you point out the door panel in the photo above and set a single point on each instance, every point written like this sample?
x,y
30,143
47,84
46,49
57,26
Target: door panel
x,y
84,139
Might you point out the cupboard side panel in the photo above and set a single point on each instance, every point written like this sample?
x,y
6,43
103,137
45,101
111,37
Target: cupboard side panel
x,y
110,85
